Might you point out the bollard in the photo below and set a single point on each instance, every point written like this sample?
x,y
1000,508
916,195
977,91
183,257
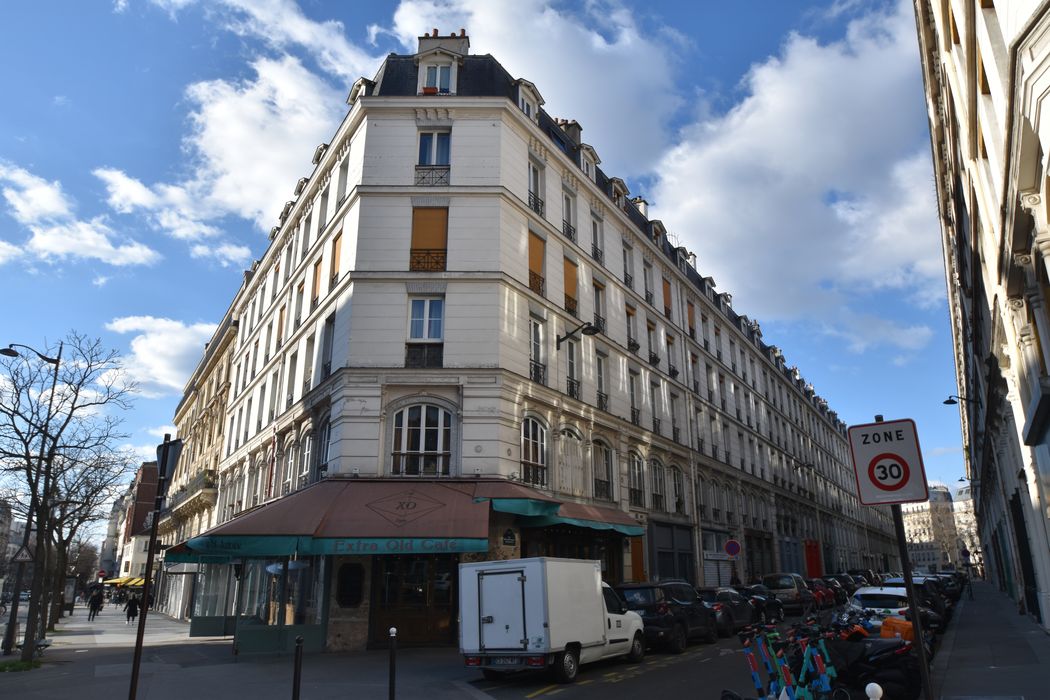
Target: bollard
x,y
297,674
873,691
393,660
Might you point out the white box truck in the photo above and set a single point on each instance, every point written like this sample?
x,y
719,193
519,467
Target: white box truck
x,y
540,613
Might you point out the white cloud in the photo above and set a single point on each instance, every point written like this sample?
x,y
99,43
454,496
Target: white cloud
x,y
8,252
162,430
226,254
32,198
827,132
55,232
169,207
100,280
588,66
163,351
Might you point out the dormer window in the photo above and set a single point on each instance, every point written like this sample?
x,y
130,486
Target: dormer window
x,y
527,108
439,77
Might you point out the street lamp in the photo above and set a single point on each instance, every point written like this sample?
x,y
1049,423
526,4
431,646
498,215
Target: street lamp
x,y
953,399
12,621
587,328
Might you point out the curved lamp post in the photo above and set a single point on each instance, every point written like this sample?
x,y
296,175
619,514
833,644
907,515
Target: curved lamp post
x,y
9,351
953,399
587,328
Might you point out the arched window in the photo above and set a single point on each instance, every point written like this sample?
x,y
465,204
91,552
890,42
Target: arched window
x,y
533,452
677,491
570,463
305,446
422,441
636,480
289,467
658,485
324,445
603,471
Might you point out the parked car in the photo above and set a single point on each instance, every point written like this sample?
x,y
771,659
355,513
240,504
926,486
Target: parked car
x,y
825,597
767,608
841,594
790,590
930,594
889,601
870,576
672,613
732,610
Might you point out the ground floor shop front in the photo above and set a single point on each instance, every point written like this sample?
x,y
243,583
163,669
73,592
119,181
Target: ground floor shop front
x,y
349,559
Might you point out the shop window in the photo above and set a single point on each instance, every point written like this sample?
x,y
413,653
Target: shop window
x,y
350,585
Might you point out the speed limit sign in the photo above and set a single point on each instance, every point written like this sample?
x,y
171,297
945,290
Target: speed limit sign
x,y
888,463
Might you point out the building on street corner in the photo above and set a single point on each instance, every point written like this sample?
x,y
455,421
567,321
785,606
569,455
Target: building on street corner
x,y
467,341
986,66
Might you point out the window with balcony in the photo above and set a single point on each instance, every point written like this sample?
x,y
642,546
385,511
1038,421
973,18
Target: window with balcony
x,y
601,364
300,293
667,298
432,168
632,329
597,240
690,313
429,239
304,239
327,343
425,347
628,266
651,339
315,292
533,452
537,255
422,441
536,190
658,478
599,307
537,350
572,378
571,280
334,262
632,395
568,216
635,480
647,281
602,467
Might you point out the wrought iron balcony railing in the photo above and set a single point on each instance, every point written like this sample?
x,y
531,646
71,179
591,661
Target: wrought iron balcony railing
x,y
672,370
603,401
598,254
572,387
427,259
654,358
538,372
633,345
432,175
537,283
656,425
568,230
636,416
599,323
572,306
628,281
602,490
648,296
535,203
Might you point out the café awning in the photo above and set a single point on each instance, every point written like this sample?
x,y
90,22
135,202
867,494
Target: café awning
x,y
388,516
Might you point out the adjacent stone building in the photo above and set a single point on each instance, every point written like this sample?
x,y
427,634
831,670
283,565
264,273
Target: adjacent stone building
x,y
986,69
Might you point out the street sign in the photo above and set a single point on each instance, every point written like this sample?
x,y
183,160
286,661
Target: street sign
x,y
22,555
888,463
732,548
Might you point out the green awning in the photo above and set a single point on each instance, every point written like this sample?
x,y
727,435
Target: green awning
x,y
522,506
622,528
588,516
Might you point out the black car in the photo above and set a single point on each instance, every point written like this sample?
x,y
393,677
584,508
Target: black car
x,y
767,608
847,582
672,613
732,610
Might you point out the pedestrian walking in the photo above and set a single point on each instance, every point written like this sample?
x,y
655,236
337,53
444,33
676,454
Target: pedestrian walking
x,y
132,609
94,604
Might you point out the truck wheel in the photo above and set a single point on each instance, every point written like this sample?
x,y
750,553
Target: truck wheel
x,y
677,642
637,652
566,666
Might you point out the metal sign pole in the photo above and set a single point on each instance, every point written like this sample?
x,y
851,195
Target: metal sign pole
x,y
913,601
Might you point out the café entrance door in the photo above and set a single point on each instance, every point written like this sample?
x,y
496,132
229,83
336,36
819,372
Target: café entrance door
x,y
418,596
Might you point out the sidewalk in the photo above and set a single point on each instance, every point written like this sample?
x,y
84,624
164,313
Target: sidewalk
x,y
90,660
991,652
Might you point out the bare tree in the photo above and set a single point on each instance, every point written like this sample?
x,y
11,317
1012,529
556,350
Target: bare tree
x,y
57,415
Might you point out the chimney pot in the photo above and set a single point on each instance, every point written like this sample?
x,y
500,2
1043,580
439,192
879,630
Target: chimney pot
x,y
434,32
462,31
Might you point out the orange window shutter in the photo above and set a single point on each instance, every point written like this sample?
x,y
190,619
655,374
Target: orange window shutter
x,y
537,248
317,279
691,313
571,280
429,228
337,244
667,294
280,324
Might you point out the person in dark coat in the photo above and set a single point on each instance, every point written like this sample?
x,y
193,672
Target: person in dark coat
x,y
132,609
94,604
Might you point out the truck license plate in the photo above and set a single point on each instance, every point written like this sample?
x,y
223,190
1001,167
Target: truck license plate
x,y
505,660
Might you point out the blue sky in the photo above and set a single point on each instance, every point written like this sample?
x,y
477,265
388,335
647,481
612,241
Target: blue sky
x,y
146,148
